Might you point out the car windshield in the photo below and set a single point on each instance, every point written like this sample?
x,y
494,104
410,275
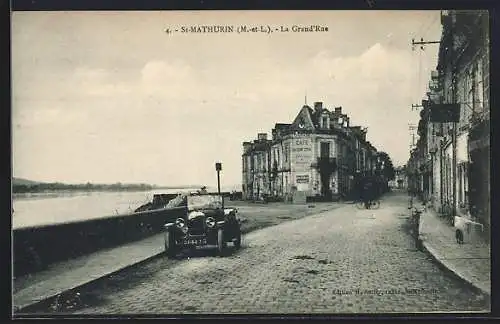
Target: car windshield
x,y
204,202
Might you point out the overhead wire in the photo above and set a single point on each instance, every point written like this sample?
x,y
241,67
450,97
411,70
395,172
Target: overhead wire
x,y
417,84
425,29
424,33
425,25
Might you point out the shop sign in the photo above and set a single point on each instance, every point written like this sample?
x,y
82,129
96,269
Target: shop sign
x,y
445,113
302,178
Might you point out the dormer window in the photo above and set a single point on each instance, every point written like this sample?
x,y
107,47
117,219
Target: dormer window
x,y
302,123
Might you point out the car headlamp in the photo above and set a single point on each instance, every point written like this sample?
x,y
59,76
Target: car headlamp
x,y
180,223
210,222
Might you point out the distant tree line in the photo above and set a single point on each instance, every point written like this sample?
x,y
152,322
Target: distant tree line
x,y
41,187
388,168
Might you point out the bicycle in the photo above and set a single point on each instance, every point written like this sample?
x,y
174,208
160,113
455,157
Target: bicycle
x,y
372,204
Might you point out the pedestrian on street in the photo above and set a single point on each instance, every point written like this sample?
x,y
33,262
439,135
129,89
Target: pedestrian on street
x,y
368,192
358,186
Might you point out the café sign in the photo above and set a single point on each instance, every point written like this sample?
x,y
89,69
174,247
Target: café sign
x,y
301,154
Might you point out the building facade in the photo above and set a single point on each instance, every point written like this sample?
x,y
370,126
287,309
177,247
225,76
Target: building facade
x,y
318,155
450,166
400,179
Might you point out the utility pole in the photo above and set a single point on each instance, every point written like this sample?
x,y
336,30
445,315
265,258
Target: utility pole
x,y
413,185
454,131
422,44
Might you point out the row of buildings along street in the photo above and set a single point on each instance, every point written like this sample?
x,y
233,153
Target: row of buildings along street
x,y
318,155
449,165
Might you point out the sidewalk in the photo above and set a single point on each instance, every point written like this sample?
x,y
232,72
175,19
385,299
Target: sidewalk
x,y
74,273
469,261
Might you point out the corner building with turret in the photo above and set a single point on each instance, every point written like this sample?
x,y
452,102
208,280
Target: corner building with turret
x,y
318,155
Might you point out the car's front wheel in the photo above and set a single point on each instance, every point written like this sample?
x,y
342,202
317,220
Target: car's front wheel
x,y
221,243
237,239
170,247
459,236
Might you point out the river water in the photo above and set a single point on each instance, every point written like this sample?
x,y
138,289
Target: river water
x,y
63,207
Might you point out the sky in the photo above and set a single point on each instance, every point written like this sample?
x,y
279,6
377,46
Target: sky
x,y
109,97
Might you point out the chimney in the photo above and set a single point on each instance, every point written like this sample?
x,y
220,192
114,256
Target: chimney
x,y
338,111
262,136
318,106
344,118
347,121
434,75
246,146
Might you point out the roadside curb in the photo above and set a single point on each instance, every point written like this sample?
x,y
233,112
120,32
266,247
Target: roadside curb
x,y
447,265
48,299
454,271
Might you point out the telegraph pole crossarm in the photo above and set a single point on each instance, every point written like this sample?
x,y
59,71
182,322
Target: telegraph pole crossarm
x,y
413,107
422,43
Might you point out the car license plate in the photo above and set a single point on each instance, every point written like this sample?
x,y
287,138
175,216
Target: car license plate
x,y
195,242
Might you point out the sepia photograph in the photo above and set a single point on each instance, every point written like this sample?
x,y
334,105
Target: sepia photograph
x,y
177,162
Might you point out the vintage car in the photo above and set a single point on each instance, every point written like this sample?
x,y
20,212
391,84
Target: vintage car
x,y
206,223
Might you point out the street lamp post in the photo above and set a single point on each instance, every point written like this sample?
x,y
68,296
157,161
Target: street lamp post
x,y
218,168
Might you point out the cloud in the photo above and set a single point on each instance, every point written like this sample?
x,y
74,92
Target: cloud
x,y
86,75
377,64
98,82
167,79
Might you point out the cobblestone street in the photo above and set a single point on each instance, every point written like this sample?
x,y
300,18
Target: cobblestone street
x,y
341,261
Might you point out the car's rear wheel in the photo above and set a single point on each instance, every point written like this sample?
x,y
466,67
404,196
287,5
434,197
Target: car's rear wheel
x,y
170,247
375,204
221,243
